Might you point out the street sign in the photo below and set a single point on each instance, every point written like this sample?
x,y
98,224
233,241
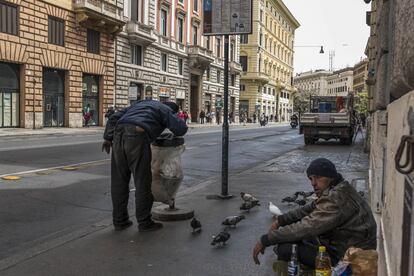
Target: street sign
x,y
219,104
227,17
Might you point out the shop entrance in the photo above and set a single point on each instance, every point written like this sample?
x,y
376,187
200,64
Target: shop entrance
x,y
90,95
9,95
53,98
194,97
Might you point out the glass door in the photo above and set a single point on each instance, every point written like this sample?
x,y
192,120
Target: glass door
x,y
9,95
53,98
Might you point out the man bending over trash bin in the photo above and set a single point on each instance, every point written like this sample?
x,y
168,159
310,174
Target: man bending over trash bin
x,y
130,132
338,219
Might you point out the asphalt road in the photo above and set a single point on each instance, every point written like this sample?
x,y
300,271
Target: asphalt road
x,y
51,200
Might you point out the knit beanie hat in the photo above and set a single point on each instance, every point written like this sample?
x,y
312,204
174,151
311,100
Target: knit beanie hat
x,y
322,167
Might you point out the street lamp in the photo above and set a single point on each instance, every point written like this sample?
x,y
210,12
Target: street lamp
x,y
312,46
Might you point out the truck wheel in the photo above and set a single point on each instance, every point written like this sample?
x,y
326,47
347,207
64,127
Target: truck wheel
x,y
308,140
346,141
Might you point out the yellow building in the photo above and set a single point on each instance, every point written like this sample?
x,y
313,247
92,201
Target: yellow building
x,y
266,57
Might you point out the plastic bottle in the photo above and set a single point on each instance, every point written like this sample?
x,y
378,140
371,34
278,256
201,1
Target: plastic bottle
x,y
322,263
293,265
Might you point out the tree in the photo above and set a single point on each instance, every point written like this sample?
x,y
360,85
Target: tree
x,y
300,103
361,102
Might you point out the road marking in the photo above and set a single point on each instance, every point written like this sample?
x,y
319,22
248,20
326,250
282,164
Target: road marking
x,y
54,168
11,177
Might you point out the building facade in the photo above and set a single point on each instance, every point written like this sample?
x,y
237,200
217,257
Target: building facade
x,y
162,55
56,59
390,132
266,57
312,82
360,76
341,82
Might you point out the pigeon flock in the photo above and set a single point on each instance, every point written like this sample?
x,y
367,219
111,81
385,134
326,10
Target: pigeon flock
x,y
248,202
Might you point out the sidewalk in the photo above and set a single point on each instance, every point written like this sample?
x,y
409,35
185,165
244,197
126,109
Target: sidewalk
x,y
8,132
174,250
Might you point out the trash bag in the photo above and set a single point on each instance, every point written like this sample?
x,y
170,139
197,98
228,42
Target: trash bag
x,y
167,172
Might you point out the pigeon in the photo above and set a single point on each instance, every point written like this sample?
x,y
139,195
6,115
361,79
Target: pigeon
x,y
221,238
305,194
247,205
300,202
274,209
248,197
233,220
290,199
196,225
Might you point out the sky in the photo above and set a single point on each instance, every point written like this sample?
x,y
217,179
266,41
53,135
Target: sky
x,y
337,25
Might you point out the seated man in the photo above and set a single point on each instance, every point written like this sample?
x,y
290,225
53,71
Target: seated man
x,y
338,219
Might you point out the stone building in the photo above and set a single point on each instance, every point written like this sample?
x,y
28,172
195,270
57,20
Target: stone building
x,y
312,82
391,105
360,76
340,82
162,54
56,59
267,61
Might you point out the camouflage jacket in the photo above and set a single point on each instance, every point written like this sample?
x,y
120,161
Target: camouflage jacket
x,y
339,218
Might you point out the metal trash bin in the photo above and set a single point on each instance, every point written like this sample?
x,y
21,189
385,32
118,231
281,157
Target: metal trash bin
x,y
167,172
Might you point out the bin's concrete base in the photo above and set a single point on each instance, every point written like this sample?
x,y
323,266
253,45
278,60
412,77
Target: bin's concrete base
x,y
165,213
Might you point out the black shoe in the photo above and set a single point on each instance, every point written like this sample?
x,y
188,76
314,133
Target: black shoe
x,y
123,226
149,226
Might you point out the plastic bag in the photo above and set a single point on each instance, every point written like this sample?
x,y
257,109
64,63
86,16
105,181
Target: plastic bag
x,y
167,172
363,262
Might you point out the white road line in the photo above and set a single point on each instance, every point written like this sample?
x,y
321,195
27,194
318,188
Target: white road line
x,y
58,167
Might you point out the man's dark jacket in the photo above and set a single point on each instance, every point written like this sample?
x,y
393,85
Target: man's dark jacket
x,y
153,116
339,218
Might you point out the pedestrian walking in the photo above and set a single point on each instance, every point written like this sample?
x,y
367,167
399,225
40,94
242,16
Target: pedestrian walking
x,y
202,116
230,117
110,111
218,117
186,116
254,117
129,133
87,115
181,115
243,118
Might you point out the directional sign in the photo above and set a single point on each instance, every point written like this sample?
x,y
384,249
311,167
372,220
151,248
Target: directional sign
x,y
227,17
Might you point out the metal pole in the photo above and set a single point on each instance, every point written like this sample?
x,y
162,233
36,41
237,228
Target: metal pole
x,y
225,141
34,100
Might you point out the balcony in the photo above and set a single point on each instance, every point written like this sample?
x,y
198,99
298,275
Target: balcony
x,y
101,15
235,67
260,77
199,57
140,33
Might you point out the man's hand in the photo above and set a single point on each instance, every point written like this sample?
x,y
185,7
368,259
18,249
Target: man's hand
x,y
259,248
106,146
274,226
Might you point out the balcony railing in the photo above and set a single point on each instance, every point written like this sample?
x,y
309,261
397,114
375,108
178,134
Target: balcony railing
x,y
102,15
140,33
199,56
